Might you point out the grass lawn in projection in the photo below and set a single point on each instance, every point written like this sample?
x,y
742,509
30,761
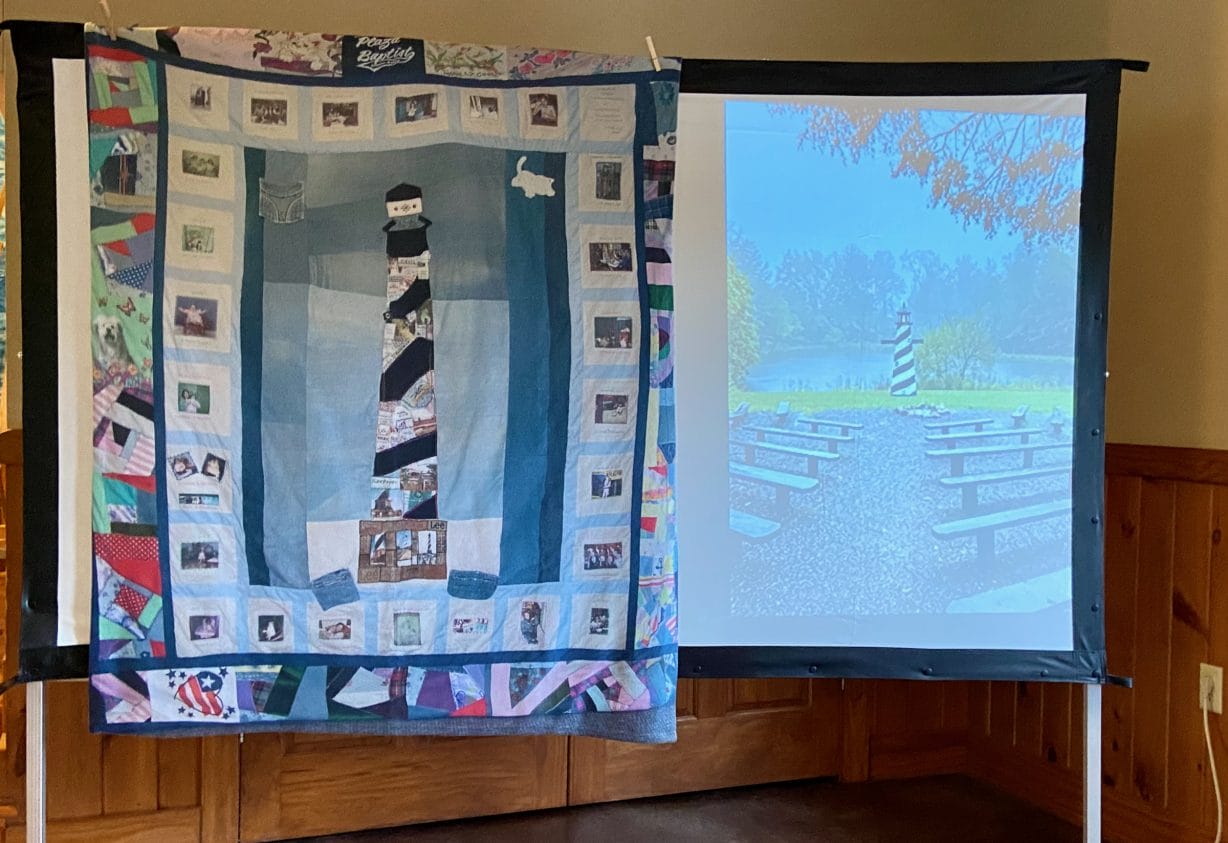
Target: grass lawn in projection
x,y
902,288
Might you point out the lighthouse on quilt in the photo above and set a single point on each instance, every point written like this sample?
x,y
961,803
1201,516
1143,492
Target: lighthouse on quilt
x,y
406,427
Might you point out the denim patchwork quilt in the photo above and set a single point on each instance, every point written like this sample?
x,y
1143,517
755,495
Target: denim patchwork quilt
x,y
383,425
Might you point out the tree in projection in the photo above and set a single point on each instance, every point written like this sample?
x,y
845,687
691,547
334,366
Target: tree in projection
x,y
804,281
867,291
779,327
743,330
1033,313
958,354
818,297
1019,173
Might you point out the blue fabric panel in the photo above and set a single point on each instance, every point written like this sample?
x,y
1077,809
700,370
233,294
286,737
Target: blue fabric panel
x,y
318,418
528,392
146,508
251,305
344,341
310,701
282,417
471,371
558,372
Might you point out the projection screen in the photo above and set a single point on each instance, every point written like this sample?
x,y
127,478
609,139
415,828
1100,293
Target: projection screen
x,y
891,292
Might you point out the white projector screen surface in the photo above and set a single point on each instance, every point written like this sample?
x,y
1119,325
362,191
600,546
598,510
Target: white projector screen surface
x,y
875,359
76,407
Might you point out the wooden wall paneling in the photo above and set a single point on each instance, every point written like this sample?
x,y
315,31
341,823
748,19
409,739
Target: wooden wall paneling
x,y
12,788
129,766
768,695
889,707
1055,722
745,731
1217,632
855,713
1191,577
260,764
911,734
13,758
1121,545
179,770
978,711
219,789
298,785
956,701
1028,713
178,824
1166,595
1002,700
1077,741
74,756
1076,731
1060,791
712,697
1152,638
684,702
112,787
924,702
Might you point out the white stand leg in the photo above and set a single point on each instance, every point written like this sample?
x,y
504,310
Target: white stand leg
x,y
1091,762
36,766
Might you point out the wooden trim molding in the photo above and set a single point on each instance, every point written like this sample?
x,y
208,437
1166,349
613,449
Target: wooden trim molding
x,y
137,827
1198,465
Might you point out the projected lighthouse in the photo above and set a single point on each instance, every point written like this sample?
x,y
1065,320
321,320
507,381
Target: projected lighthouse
x,y
904,370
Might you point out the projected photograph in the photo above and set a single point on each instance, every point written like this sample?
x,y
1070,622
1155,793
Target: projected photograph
x,y
901,310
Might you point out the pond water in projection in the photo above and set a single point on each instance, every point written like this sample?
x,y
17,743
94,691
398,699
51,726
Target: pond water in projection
x,y
902,281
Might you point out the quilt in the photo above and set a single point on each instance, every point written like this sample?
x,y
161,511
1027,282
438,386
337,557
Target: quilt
x,y
383,429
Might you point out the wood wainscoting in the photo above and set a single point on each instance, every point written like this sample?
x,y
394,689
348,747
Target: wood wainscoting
x,y
117,787
731,732
1166,599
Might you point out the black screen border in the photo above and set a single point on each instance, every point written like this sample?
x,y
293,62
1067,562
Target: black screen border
x,y
36,44
1100,81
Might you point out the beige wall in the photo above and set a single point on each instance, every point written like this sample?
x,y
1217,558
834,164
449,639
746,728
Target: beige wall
x,y
1170,256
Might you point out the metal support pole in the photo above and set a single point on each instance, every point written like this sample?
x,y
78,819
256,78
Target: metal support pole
x,y
36,766
1092,695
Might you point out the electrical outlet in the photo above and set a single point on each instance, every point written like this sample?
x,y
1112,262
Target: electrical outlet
x,y
1211,684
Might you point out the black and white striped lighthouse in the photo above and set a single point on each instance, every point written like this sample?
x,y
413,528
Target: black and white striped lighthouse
x,y
904,368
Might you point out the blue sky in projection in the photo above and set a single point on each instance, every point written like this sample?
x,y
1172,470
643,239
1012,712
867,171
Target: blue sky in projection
x,y
785,197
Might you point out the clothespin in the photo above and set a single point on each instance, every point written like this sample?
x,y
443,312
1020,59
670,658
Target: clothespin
x,y
108,20
652,52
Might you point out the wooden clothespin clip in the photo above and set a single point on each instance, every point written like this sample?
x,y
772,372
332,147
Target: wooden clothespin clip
x,y
652,52
108,20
